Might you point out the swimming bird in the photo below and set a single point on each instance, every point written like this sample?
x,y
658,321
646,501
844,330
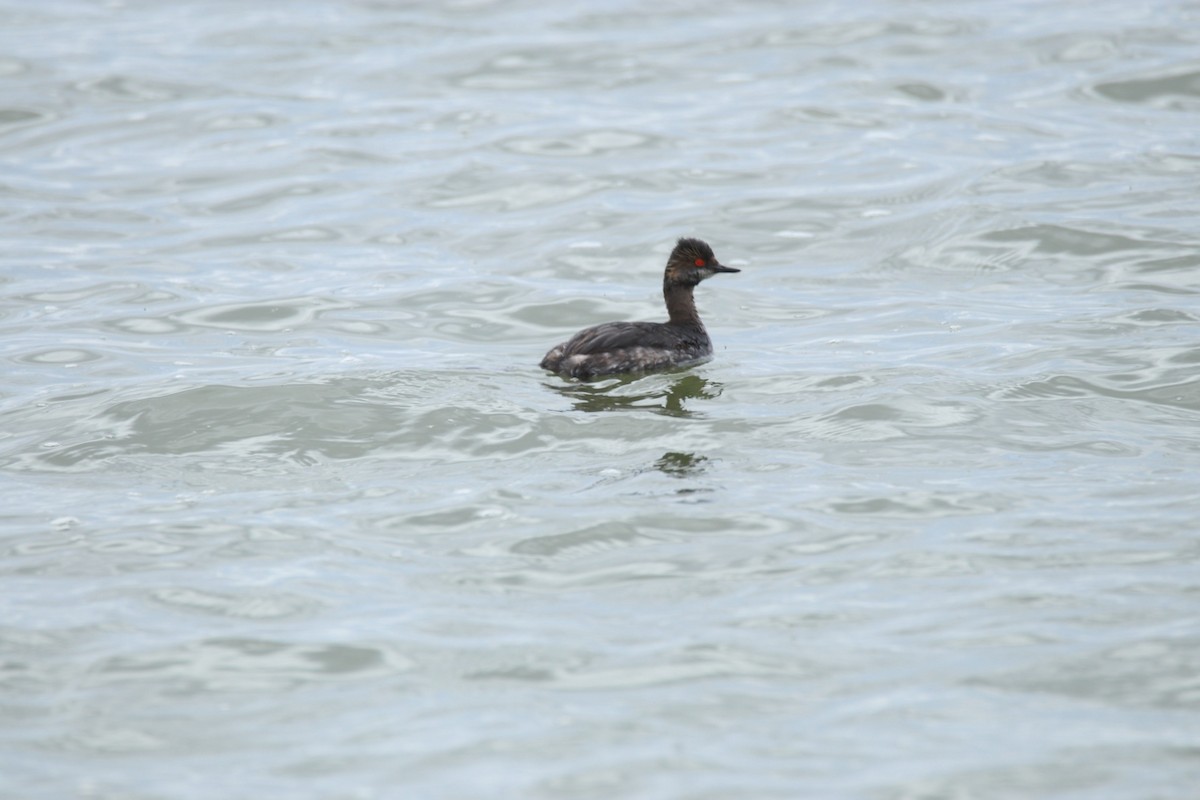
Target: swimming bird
x,y
616,347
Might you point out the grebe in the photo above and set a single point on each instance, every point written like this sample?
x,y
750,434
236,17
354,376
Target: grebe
x,y
642,346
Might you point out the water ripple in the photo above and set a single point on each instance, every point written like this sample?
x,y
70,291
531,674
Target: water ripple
x,y
290,508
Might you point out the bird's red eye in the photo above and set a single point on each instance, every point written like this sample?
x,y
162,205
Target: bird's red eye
x,y
699,262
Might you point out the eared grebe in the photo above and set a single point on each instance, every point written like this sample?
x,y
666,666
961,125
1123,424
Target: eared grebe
x,y
641,346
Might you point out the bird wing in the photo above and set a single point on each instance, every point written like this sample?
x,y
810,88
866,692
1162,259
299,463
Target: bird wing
x,y
616,336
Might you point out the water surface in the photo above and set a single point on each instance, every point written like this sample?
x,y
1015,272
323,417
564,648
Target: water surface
x,y
291,511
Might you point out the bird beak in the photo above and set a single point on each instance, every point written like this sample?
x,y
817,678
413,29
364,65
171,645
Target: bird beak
x,y
719,267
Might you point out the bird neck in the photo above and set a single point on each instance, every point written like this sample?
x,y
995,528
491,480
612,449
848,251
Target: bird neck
x,y
681,306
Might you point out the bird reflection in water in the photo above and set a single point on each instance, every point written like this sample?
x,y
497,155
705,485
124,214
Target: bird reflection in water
x,y
612,395
681,465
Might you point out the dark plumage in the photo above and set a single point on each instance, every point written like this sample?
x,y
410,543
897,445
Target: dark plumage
x,y
642,346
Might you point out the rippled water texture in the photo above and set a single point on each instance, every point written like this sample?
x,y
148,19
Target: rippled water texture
x,y
290,511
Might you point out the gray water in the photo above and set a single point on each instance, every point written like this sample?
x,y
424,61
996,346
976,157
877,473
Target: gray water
x,y
290,511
